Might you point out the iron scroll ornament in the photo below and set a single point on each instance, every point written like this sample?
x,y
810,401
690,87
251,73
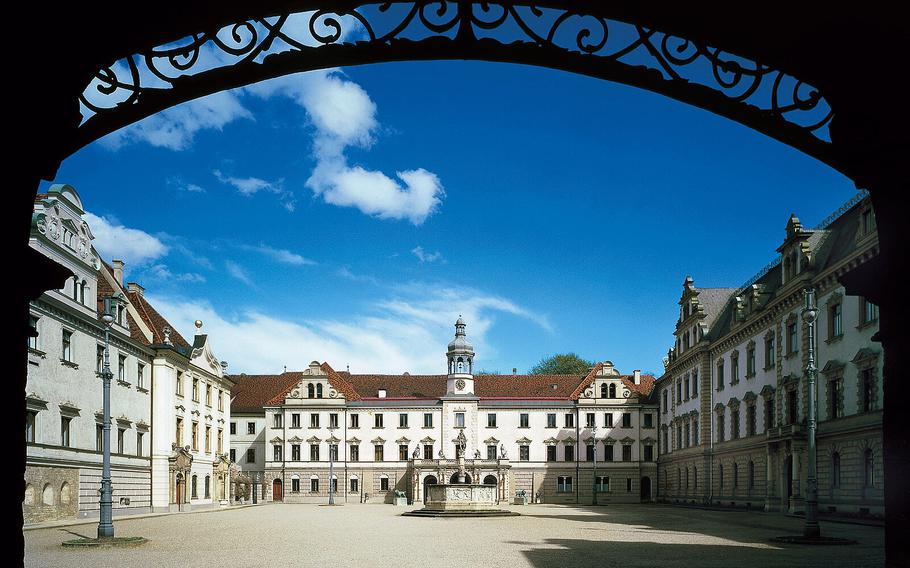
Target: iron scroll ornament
x,y
543,34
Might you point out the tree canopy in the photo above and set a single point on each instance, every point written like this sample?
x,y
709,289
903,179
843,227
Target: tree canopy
x,y
562,364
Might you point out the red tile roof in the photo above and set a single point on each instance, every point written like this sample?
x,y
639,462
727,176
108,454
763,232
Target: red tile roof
x,y
251,392
156,322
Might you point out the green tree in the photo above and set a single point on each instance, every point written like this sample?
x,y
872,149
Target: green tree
x,y
562,364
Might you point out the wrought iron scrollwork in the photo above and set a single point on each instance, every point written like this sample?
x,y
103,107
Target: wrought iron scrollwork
x,y
749,91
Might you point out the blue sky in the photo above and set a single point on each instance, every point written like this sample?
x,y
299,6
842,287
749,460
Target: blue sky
x,y
557,212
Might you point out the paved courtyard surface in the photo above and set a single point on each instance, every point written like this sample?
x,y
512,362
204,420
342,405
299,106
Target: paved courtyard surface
x,y
375,536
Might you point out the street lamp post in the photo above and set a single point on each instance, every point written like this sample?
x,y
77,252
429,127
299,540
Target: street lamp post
x,y
810,315
105,521
331,476
594,435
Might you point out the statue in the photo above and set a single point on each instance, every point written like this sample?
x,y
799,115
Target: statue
x,y
416,453
477,454
502,451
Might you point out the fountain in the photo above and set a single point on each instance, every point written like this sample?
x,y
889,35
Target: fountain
x,y
461,498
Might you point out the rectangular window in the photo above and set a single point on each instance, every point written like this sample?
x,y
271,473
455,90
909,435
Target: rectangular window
x,y
355,453
233,454
233,428
590,420
276,453
564,484
551,421
314,485
276,421
402,452
333,452
251,456
459,419
314,452
378,453
33,339
250,428
220,400
626,453
769,352
686,438
295,420
99,359
208,395
792,407
570,420
295,485
569,453
770,417
603,484
196,390
314,420
220,441
649,452
694,382
720,375
402,420
734,369
67,346
179,432
523,421
428,451
551,453
139,443
678,391
750,361
608,419
179,383
868,311
355,421
377,421
665,405
355,485
750,420
491,420
383,483
30,418
491,451
792,342
720,428
868,379
835,321
121,368
427,419
120,440
649,420
626,420
295,452
734,423
628,485
333,420
524,453
589,452
140,375
608,452
195,433
208,439
99,437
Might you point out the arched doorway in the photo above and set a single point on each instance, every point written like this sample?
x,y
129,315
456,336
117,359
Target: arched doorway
x,y
179,487
428,480
277,494
646,489
454,478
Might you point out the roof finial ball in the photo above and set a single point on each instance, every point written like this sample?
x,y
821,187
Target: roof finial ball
x,y
198,325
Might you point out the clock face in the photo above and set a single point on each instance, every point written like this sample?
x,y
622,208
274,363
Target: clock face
x,y
459,384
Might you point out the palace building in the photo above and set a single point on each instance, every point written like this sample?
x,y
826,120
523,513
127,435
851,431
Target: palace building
x,y
733,398
557,438
170,400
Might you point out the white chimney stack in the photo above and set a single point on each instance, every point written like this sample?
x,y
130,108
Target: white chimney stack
x,y
636,376
118,271
135,288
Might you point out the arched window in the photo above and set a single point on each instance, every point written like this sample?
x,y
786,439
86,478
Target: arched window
x,y
319,390
835,470
603,390
29,495
309,391
868,468
195,493
65,493
82,292
75,288
47,495
612,390
460,366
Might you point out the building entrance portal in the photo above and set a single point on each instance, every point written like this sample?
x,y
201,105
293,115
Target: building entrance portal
x,y
276,490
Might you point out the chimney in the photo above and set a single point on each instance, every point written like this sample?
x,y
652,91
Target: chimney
x,y
135,287
118,271
381,393
636,376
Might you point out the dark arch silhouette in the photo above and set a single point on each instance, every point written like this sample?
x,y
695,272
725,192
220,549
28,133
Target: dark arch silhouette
x,y
849,53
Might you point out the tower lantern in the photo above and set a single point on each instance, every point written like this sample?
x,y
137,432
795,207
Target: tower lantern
x,y
460,358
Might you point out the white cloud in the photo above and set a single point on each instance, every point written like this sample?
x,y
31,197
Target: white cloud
x,y
178,183
176,127
249,186
239,273
115,241
427,256
405,333
162,272
283,256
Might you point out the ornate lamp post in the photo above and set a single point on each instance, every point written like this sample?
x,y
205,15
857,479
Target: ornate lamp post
x,y
105,522
594,454
810,315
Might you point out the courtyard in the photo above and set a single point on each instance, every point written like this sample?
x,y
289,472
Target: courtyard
x,y
377,536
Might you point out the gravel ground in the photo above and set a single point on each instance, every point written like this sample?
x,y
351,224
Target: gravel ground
x,y
375,536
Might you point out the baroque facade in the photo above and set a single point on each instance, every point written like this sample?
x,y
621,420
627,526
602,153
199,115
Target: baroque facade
x,y
370,435
157,464
733,398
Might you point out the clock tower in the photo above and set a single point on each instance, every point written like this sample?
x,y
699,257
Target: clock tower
x,y
460,356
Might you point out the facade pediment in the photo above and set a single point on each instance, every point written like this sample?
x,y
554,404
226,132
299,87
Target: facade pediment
x,y
402,440
354,441
551,441
609,440
428,440
627,440
490,441
569,440
378,441
276,440
180,459
203,358
295,440
332,439
313,440
523,441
